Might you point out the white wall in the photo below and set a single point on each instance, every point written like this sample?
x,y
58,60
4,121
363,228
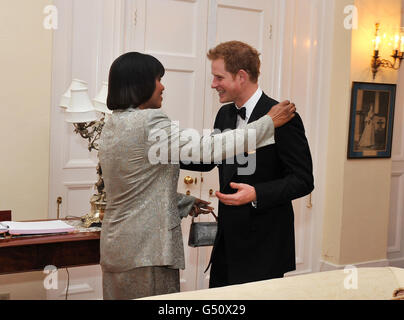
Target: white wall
x,y
25,91
25,87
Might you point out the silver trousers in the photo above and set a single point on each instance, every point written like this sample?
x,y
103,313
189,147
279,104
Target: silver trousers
x,y
140,283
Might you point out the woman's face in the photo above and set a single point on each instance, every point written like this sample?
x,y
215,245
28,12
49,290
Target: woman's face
x,y
157,98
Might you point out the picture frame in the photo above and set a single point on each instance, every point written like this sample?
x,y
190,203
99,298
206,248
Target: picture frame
x,y
371,120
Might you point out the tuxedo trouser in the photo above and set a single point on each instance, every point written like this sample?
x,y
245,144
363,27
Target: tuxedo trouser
x,y
219,270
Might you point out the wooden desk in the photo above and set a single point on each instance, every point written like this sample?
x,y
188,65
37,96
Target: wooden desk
x,y
35,253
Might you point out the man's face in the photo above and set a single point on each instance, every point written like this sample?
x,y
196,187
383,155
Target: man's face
x,y
225,83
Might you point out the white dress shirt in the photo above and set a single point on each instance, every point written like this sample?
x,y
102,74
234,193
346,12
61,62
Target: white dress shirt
x,y
249,106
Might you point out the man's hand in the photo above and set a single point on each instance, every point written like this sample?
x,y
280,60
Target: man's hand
x,y
282,113
244,195
200,207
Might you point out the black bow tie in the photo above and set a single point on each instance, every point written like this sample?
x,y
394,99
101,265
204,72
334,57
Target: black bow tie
x,y
241,112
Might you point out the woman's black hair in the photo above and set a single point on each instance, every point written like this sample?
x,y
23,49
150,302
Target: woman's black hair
x,y
132,80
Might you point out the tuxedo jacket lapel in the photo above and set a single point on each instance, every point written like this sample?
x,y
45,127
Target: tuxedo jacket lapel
x,y
260,109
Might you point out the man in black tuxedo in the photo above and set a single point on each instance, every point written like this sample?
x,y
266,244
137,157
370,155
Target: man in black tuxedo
x,y
255,239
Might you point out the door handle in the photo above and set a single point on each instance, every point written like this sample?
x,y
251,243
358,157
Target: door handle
x,y
188,180
59,202
310,204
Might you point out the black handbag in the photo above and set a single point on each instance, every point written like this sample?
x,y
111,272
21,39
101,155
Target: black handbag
x,y
202,234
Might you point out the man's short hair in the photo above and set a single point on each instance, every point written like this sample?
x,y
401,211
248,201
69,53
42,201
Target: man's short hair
x,y
238,56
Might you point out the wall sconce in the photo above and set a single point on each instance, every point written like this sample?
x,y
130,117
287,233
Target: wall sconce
x,y
398,52
84,114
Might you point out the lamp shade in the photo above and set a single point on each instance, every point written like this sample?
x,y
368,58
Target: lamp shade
x,y
100,101
66,97
81,109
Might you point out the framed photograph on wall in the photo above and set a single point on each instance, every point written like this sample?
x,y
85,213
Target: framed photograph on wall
x,y
371,121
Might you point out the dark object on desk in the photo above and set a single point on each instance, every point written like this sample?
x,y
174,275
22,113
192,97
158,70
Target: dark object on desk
x,y
5,215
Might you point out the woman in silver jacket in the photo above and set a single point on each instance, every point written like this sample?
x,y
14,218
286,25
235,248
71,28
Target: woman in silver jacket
x,y
141,240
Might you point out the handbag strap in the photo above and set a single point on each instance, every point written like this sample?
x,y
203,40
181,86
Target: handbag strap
x,y
215,216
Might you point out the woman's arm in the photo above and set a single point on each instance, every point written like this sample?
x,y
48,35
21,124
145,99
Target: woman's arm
x,y
184,204
169,144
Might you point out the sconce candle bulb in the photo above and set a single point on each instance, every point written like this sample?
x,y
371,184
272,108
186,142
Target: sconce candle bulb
x,y
396,42
377,43
402,44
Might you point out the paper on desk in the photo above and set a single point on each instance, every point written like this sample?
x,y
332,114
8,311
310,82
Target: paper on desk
x,y
3,228
41,227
